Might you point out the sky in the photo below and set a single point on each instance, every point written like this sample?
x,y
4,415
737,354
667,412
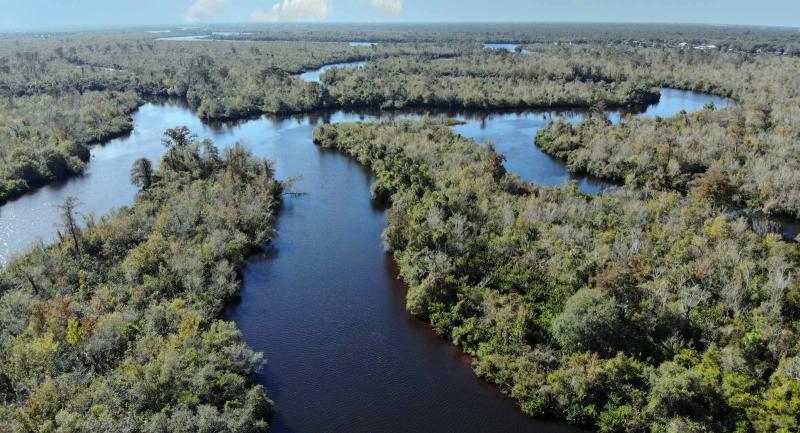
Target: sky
x,y
59,14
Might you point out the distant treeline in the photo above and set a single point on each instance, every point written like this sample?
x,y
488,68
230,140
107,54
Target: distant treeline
x,y
488,79
737,38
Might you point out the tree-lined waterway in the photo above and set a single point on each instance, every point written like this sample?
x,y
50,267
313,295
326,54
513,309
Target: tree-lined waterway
x,y
323,302
315,75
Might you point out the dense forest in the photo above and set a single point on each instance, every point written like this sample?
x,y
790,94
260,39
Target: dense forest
x,y
115,327
625,311
654,307
746,154
230,80
63,93
485,79
45,138
90,83
220,80
736,38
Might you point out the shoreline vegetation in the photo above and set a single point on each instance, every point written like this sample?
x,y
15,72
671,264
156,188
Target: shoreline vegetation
x,y
116,326
623,312
227,82
46,138
223,82
651,308
745,154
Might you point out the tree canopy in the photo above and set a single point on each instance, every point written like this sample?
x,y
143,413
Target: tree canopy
x,y
628,311
116,327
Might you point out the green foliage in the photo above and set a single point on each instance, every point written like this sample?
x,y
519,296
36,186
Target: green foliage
x,y
589,322
746,155
116,328
219,80
60,94
486,79
79,77
45,138
142,173
628,311
779,410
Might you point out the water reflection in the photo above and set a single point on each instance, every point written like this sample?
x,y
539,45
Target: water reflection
x,y
324,303
511,48
106,183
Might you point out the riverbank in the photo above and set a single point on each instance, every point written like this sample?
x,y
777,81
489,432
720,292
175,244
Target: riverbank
x,y
116,326
325,283
586,308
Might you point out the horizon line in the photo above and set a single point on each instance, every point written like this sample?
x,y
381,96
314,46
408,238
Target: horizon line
x,y
178,25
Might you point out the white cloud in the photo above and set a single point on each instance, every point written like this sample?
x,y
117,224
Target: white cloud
x,y
388,7
294,10
205,9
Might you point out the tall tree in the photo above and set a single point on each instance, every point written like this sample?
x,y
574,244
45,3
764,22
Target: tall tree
x,y
142,173
69,221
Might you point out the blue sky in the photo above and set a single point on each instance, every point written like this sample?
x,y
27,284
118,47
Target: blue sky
x,y
28,14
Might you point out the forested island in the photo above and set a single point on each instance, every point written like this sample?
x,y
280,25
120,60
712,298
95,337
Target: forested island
x,y
663,304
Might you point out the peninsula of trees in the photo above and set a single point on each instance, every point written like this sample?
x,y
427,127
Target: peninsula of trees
x,y
746,155
116,326
626,312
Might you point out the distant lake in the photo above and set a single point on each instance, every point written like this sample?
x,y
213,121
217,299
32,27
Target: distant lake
x,y
508,47
186,38
511,48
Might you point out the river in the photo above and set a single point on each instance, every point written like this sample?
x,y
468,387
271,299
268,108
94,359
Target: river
x,y
315,75
323,302
105,185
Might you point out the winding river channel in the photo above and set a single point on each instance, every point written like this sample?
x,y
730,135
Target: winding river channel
x,y
323,302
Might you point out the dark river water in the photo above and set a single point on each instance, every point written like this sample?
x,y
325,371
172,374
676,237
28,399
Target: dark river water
x,y
323,302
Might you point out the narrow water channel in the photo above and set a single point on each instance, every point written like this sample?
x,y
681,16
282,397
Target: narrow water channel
x,y
106,184
323,302
315,75
325,306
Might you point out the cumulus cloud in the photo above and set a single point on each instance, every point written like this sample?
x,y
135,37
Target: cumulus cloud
x,y
294,10
205,9
388,7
